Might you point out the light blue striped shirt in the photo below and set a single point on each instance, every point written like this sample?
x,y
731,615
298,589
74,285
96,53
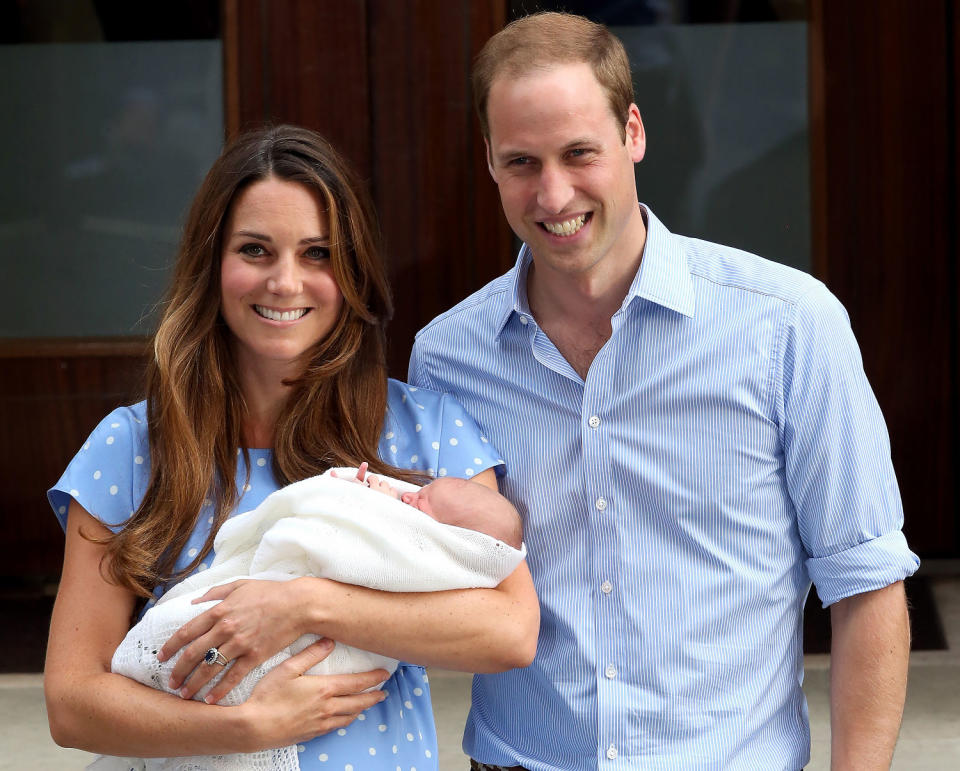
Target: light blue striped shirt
x,y
724,450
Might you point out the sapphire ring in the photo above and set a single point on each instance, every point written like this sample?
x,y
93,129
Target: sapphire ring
x,y
213,656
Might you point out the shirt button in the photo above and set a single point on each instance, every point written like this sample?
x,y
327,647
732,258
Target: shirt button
x,y
594,421
601,504
606,587
524,320
610,671
612,752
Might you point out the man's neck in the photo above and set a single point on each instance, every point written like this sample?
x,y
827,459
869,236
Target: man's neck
x,y
575,311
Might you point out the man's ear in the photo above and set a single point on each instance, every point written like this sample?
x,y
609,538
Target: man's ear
x,y
636,138
486,149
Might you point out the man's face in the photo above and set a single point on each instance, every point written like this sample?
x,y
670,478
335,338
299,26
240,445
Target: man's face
x,y
565,175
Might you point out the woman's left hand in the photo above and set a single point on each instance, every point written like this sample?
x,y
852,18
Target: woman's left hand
x,y
253,621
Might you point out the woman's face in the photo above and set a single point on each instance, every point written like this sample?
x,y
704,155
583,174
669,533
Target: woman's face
x,y
278,295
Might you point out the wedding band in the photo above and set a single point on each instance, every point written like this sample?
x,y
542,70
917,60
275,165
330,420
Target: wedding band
x,y
213,656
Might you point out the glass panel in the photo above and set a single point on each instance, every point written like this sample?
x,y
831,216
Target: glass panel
x,y
723,96
109,142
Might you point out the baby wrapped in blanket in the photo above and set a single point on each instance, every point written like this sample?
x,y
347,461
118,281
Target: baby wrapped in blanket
x,y
450,534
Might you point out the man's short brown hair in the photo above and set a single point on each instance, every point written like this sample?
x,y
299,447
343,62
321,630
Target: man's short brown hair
x,y
545,39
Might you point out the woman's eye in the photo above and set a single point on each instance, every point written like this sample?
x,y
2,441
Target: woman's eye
x,y
318,253
253,250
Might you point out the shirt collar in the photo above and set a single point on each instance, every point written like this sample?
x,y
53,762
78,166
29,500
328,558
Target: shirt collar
x,y
663,278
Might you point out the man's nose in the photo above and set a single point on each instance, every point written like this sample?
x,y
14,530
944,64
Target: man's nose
x,y
555,190
285,277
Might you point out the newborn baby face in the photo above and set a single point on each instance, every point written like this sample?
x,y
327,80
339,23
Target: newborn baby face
x,y
441,497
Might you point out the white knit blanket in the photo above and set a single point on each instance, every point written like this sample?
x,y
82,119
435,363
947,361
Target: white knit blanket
x,y
324,527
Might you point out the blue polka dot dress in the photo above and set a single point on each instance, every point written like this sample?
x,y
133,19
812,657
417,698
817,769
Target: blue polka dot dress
x,y
423,430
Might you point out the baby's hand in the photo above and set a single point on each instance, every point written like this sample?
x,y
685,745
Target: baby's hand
x,y
375,483
360,478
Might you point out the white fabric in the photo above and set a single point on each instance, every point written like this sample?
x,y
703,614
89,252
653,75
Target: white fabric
x,y
325,527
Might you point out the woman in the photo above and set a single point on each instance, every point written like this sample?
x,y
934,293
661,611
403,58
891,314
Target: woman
x,y
268,367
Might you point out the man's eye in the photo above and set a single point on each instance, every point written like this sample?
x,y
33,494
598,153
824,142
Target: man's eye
x,y
521,161
318,253
253,250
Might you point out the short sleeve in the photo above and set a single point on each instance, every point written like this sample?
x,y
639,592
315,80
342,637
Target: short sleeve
x,y
108,475
430,431
837,455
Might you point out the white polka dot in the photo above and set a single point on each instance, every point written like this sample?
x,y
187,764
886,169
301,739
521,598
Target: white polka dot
x,y
408,704
431,472
74,493
86,446
403,399
202,566
114,489
192,553
409,737
361,716
372,751
322,756
428,753
388,435
300,748
442,472
109,440
342,732
453,441
62,509
484,440
418,691
348,767
393,449
417,428
96,474
209,520
394,749
469,472
238,451
206,501
246,488
420,406
499,461
425,678
458,423
414,458
261,462
114,425
138,460
435,445
381,728
413,389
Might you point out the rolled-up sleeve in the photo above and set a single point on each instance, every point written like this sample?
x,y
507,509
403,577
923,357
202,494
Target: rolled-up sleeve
x,y
837,456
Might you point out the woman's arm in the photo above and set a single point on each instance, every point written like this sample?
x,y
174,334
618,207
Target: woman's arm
x,y
93,709
473,630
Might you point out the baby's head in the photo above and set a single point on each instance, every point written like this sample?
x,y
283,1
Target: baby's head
x,y
469,505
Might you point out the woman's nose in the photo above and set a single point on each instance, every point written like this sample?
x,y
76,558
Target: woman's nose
x,y
284,278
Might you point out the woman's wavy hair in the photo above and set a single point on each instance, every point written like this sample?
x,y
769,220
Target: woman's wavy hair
x,y
195,407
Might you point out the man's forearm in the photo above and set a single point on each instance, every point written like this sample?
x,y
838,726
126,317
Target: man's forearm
x,y
868,677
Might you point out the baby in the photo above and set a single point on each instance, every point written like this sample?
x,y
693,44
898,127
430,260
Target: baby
x,y
449,534
456,502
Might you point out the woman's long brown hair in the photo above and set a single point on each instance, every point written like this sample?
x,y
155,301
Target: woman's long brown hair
x,y
195,408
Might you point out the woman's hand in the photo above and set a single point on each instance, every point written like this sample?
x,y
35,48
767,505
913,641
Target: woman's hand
x,y
323,702
253,621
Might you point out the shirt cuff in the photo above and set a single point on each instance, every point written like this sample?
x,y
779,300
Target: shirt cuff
x,y
865,567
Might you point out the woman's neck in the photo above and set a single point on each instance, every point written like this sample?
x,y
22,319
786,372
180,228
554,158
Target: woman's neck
x,y
264,398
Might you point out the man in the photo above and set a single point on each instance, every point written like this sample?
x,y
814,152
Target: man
x,y
690,439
